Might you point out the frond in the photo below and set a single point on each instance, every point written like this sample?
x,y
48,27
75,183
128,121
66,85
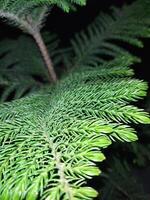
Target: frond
x,y
99,42
24,14
52,149
17,76
29,15
64,4
51,141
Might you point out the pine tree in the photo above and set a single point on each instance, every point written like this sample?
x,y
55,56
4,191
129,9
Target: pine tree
x,y
51,140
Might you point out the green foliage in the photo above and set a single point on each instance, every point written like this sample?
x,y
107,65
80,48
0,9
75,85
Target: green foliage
x,y
26,4
23,14
100,41
29,15
51,141
141,148
22,70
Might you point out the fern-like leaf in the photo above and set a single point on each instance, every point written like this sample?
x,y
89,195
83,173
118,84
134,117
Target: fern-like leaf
x,y
51,141
29,15
99,42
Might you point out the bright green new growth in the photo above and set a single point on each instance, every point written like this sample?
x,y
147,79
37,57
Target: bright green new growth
x,y
51,140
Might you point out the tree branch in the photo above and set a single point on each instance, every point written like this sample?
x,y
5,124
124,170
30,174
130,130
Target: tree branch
x,y
43,49
28,26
